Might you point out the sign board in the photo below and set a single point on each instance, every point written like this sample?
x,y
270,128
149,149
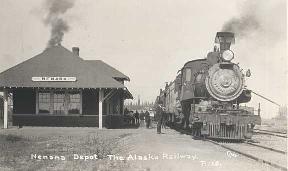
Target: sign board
x,y
54,79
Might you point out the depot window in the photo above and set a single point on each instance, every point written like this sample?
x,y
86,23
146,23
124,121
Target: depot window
x,y
74,102
44,102
59,102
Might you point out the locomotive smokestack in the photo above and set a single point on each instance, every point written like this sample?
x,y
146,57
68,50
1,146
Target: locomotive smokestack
x,y
225,39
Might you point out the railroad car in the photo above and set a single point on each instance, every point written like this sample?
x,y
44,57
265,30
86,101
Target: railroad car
x,y
207,95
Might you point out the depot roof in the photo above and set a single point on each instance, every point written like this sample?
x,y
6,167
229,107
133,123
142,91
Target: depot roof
x,y
59,62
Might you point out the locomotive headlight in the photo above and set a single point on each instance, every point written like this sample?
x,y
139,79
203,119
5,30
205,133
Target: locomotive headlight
x,y
227,55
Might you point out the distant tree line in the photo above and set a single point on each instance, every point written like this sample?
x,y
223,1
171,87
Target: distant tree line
x,y
139,105
282,113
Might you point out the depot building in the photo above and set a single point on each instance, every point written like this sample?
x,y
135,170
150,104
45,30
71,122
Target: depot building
x,y
58,88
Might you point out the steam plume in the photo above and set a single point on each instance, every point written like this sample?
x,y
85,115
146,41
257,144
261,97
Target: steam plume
x,y
242,26
257,18
54,18
261,30
246,23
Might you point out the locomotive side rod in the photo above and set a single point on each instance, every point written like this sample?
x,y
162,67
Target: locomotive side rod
x,y
265,98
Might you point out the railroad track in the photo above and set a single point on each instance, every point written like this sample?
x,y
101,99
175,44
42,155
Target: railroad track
x,y
277,132
273,133
273,157
268,148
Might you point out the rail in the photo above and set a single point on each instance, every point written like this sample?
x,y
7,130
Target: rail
x,y
268,148
254,157
258,159
270,133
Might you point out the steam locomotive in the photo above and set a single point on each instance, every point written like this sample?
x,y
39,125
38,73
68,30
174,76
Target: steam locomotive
x,y
207,94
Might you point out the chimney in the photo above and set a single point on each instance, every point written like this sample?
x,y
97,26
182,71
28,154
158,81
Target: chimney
x,y
225,39
75,51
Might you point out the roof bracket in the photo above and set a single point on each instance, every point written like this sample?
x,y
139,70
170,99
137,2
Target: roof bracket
x,y
111,93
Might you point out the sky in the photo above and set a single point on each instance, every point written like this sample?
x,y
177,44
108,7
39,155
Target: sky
x,y
150,40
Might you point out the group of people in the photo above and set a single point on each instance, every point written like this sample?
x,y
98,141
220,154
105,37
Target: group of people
x,y
138,118
144,116
159,117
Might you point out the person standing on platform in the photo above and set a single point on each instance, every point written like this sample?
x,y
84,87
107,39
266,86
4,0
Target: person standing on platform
x,y
137,117
147,119
142,119
159,116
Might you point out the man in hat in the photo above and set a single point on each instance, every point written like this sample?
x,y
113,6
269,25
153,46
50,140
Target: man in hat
x,y
147,119
136,116
159,116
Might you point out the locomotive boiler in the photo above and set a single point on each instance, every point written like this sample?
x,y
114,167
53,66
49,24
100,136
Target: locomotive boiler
x,y
207,94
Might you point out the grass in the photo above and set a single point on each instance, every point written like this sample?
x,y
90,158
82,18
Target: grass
x,y
17,146
13,138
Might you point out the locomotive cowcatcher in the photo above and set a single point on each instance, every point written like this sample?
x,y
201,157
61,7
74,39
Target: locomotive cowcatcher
x,y
207,94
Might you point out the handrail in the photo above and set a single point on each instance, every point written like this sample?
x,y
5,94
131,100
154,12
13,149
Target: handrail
x,y
265,98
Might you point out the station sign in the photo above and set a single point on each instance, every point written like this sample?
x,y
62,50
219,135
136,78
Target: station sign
x,y
54,79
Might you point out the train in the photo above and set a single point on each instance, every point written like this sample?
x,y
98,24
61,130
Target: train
x,y
208,94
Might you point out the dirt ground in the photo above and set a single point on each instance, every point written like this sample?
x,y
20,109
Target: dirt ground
x,y
117,149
